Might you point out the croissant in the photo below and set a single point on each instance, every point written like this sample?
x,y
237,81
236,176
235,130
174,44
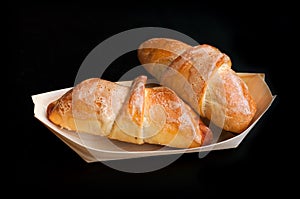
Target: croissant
x,y
134,114
202,76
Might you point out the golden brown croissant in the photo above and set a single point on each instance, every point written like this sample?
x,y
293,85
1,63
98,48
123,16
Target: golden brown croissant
x,y
134,114
202,76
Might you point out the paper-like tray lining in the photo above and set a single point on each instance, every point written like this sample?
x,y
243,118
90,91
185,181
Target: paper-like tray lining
x,y
256,84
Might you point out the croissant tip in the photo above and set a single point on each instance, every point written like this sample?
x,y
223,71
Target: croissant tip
x,y
50,108
207,136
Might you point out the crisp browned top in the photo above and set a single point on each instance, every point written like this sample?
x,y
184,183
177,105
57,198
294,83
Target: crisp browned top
x,y
132,114
202,76
161,50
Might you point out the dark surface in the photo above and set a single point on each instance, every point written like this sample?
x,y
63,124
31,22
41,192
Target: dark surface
x,y
52,40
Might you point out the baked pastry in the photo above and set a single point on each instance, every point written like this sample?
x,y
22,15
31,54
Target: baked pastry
x,y
202,76
133,114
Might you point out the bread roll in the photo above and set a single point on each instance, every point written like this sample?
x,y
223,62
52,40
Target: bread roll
x,y
134,114
202,76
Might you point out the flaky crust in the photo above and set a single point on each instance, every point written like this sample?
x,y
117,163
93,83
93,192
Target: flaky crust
x,y
131,114
202,76
156,54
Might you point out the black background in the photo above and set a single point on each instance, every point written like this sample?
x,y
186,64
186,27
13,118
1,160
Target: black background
x,y
50,41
